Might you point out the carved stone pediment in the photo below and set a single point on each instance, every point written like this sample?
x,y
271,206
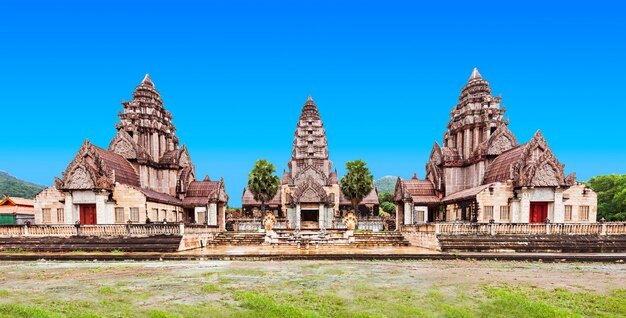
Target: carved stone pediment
x,y
310,190
501,141
124,145
538,166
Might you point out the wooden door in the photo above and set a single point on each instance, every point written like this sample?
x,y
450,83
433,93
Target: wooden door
x,y
538,212
88,214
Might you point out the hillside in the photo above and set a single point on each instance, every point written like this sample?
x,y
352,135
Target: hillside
x,y
12,186
386,184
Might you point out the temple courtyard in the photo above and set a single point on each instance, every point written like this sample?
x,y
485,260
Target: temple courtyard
x,y
451,288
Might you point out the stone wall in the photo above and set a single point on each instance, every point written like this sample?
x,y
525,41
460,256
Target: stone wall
x,y
49,198
496,197
577,196
424,240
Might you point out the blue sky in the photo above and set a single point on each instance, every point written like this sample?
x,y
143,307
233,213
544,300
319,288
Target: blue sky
x,y
384,75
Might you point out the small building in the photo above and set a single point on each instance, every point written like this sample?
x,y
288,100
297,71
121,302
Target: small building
x,y
15,210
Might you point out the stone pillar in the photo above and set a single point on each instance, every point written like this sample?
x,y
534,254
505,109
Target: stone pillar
x,y
296,223
321,216
558,215
101,215
71,216
212,214
524,215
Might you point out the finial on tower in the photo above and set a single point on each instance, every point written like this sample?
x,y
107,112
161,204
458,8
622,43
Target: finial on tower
x,y
475,75
147,80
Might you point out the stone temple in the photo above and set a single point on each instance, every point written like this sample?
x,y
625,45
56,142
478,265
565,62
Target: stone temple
x,y
482,174
143,176
309,196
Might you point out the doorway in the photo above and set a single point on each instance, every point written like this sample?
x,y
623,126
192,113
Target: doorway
x,y
309,219
538,212
88,214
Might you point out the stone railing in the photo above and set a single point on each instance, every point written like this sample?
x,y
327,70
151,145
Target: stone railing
x,y
255,224
200,229
103,230
518,228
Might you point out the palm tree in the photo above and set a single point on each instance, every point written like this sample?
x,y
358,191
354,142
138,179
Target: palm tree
x,y
262,182
357,183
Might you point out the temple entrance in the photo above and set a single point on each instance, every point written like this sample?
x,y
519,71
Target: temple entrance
x,y
88,214
538,212
309,219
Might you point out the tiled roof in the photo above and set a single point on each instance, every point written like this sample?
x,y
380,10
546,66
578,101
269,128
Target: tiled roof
x,y
17,201
198,192
500,168
202,188
124,171
248,198
155,196
421,191
465,194
371,198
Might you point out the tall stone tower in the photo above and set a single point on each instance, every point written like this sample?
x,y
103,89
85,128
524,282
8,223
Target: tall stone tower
x,y
310,148
147,122
474,119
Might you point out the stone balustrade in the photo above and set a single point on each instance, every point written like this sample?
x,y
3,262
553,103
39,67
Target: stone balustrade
x,y
609,228
132,230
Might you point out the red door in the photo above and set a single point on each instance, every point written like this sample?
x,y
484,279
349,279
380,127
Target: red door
x,y
538,212
88,214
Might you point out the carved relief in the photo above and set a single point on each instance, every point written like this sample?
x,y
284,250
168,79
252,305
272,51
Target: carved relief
x,y
79,178
124,145
545,176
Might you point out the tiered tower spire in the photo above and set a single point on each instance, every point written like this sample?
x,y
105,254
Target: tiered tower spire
x,y
474,118
147,122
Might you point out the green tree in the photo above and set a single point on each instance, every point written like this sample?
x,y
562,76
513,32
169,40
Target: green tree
x,y
357,183
385,197
611,191
262,182
388,207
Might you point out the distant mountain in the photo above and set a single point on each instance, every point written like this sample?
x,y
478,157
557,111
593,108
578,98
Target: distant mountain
x,y
12,186
386,184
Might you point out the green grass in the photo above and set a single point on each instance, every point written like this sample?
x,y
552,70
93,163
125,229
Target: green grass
x,y
489,302
14,251
304,290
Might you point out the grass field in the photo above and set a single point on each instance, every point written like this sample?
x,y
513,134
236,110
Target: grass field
x,y
312,289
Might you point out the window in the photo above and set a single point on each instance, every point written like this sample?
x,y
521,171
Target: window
x,y
119,215
568,213
201,218
419,216
505,212
583,213
311,154
488,213
163,216
60,215
155,215
47,218
310,142
134,215
310,132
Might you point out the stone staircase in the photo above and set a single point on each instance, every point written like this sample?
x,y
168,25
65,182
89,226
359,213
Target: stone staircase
x,y
372,239
238,238
534,243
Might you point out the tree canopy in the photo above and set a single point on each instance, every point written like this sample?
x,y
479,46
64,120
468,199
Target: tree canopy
x,y
611,191
357,183
262,182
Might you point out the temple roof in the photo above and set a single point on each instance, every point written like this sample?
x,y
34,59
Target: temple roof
x,y
464,194
8,200
500,168
248,198
124,171
199,193
419,191
371,198
155,196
